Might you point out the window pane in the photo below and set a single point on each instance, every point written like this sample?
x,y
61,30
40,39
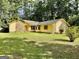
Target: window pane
x,y
33,27
39,27
45,27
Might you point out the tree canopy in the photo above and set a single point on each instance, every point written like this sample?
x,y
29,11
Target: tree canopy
x,y
38,10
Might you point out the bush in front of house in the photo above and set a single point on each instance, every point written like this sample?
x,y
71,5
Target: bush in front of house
x,y
72,33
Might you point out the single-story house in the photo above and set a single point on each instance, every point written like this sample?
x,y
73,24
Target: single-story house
x,y
51,26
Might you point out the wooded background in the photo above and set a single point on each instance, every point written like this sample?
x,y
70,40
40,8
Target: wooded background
x,y
39,10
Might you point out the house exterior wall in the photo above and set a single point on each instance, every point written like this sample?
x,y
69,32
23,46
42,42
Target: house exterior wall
x,y
19,26
16,26
53,28
27,27
49,29
58,26
12,27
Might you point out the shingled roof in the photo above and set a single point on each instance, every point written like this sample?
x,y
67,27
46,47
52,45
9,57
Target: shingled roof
x,y
47,22
31,22
41,23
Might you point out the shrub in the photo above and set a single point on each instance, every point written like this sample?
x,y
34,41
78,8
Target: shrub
x,y
72,33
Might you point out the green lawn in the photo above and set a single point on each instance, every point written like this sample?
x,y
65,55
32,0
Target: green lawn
x,y
38,46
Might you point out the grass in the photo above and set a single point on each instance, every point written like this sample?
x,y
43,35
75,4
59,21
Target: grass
x,y
38,46
33,36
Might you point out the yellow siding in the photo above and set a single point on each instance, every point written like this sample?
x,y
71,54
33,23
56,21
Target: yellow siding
x,y
53,27
28,27
20,26
12,27
50,28
58,24
17,26
24,27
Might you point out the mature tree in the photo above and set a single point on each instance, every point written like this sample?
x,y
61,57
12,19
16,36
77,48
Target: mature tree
x,y
76,7
28,8
74,20
59,8
8,10
50,9
37,10
4,11
39,13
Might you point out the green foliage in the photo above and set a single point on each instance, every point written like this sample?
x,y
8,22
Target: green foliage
x,y
38,10
74,20
72,33
8,10
37,46
59,7
55,9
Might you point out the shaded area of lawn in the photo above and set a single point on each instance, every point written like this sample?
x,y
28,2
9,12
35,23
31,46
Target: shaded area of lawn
x,y
37,50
